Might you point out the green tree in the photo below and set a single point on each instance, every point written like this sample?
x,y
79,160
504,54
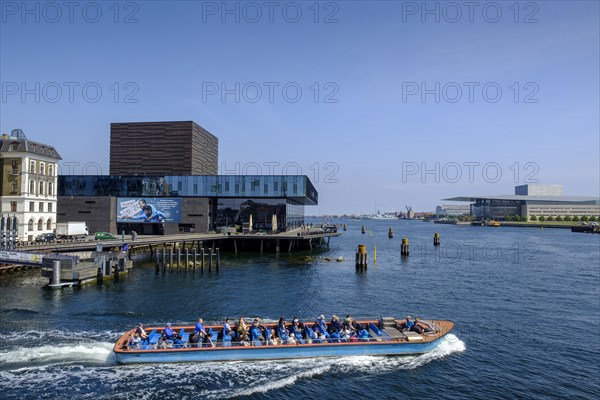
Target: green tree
x,y
550,218
525,218
559,218
575,218
507,218
585,218
533,218
517,218
593,218
568,218
541,218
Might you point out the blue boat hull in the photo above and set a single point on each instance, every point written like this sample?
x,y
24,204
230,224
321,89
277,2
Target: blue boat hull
x,y
275,352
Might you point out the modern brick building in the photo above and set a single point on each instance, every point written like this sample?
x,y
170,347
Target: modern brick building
x,y
162,148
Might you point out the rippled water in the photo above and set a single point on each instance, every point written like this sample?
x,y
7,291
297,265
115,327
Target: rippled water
x,y
526,303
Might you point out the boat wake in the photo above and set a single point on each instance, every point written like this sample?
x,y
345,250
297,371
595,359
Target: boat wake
x,y
89,368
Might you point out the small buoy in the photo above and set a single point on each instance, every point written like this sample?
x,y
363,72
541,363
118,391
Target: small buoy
x,y
340,259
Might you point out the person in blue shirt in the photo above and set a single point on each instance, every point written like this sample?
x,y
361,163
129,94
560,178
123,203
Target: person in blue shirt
x,y
200,328
178,342
168,332
227,331
408,324
153,215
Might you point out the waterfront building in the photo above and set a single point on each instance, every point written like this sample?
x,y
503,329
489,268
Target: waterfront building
x,y
452,210
162,148
163,180
530,200
29,184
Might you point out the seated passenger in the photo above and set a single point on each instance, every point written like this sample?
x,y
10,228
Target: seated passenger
x,y
194,340
242,330
255,332
345,333
227,329
322,326
164,343
134,341
207,340
408,324
297,329
200,328
168,332
145,338
335,327
350,323
421,327
178,342
363,334
315,334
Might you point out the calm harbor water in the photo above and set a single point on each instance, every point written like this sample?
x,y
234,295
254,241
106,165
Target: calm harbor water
x,y
526,303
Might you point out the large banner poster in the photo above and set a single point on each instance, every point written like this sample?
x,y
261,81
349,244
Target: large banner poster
x,y
148,209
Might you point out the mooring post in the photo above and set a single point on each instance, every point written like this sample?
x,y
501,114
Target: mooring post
x,y
436,239
404,247
171,260
235,246
391,233
187,258
210,257
218,258
363,229
361,257
202,259
164,259
56,273
178,258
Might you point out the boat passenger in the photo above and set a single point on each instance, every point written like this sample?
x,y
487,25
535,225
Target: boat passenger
x,y
242,330
200,328
322,326
145,338
134,341
408,324
335,326
363,334
194,340
297,329
227,329
256,332
168,332
178,342
420,327
207,341
164,343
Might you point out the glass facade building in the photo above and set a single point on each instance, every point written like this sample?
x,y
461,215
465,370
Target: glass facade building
x,y
227,200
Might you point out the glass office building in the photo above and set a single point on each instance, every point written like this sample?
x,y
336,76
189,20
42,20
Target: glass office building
x,y
192,203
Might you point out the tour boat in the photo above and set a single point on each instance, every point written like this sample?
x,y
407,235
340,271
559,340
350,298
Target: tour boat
x,y
386,337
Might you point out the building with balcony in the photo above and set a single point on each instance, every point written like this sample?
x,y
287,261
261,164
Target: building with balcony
x,y
28,180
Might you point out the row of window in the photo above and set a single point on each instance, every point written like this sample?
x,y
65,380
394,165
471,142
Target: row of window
x,y
50,208
40,225
41,167
40,188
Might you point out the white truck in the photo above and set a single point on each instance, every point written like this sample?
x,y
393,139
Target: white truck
x,y
71,230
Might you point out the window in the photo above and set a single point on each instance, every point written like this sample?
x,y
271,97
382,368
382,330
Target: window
x,y
30,225
42,187
13,206
41,225
50,188
41,207
50,207
32,167
14,146
51,170
42,169
15,167
31,206
14,187
49,225
31,187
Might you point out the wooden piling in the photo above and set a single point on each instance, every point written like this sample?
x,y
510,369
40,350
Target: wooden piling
x,y
404,247
218,258
194,255
361,256
390,233
178,258
363,229
436,239
187,258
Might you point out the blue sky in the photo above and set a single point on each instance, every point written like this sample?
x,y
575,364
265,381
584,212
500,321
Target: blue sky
x,y
361,128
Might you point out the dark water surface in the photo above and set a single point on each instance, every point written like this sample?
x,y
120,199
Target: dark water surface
x,y
526,303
